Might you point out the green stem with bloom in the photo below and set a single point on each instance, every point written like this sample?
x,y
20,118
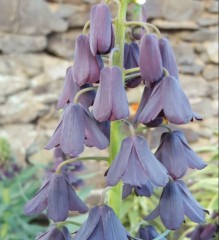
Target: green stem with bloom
x,y
115,194
132,70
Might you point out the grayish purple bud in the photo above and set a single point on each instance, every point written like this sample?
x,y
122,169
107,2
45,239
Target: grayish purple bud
x,y
101,30
148,233
168,57
150,59
203,232
135,165
58,196
102,223
86,66
111,101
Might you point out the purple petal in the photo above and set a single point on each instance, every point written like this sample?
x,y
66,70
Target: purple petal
x,y
150,59
176,106
126,190
171,154
98,232
102,106
55,139
101,32
69,90
90,72
154,214
154,169
171,207
75,203
120,107
168,57
146,190
209,231
113,228
89,226
65,233
119,164
58,199
73,133
52,233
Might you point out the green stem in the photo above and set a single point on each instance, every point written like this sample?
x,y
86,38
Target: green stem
x,y
132,70
81,92
115,194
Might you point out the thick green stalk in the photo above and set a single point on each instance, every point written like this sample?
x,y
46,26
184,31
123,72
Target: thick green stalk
x,y
115,194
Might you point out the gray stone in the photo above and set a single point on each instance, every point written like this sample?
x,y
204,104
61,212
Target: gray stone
x,y
22,108
62,44
12,84
202,106
193,69
153,8
213,7
80,16
11,43
215,107
202,35
212,51
206,22
195,86
210,72
184,54
173,25
29,17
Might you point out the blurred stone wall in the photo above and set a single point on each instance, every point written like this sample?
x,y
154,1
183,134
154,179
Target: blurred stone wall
x,y
36,46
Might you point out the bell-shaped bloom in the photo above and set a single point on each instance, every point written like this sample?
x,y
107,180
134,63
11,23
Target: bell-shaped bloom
x,y
176,155
148,233
150,59
168,100
135,164
175,202
203,232
101,30
55,233
102,223
77,128
168,57
146,190
58,196
87,69
111,101
70,89
131,60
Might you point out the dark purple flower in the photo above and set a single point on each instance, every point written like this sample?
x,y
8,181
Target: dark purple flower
x,y
102,223
135,165
58,196
111,101
168,57
70,89
176,155
146,190
168,100
131,60
203,232
77,128
55,233
150,59
101,30
148,233
175,202
86,66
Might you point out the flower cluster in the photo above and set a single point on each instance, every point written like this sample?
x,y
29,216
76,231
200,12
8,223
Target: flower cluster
x,y
92,98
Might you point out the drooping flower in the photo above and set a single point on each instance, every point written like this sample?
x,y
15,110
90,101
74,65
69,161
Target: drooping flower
x,y
131,60
87,69
111,101
203,232
176,155
58,196
77,128
150,59
135,165
175,202
148,233
167,100
146,190
70,89
102,223
168,57
55,233
101,30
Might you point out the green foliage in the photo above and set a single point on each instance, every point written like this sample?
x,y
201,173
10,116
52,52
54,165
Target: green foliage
x,y
5,151
14,193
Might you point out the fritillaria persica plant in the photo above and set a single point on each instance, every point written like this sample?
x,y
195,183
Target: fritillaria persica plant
x,y
95,106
